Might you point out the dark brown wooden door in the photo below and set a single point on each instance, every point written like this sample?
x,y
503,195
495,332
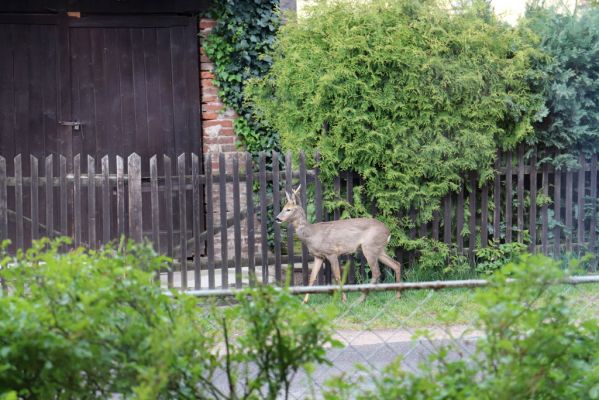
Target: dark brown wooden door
x,y
132,82
135,85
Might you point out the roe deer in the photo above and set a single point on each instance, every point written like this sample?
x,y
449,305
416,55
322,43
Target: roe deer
x,y
331,239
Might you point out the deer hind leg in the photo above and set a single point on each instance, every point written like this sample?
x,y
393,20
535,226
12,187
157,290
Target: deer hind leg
x,y
394,265
315,268
372,257
334,260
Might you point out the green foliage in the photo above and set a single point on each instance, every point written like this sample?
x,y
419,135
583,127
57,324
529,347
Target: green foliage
x,y
491,258
410,96
571,84
88,324
238,46
533,347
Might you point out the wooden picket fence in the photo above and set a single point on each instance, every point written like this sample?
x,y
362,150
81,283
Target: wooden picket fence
x,y
211,224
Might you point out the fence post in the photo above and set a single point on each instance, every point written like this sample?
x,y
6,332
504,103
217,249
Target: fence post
x,y
3,201
198,210
64,218
533,204
222,194
182,219
91,201
105,200
276,208
135,205
49,197
581,211
593,227
120,195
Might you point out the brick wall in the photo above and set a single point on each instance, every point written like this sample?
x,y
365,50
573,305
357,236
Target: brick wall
x,y
219,137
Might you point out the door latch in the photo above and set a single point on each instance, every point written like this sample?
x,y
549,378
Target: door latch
x,y
75,124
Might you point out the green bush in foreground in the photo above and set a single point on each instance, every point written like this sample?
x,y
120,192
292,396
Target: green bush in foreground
x,y
88,324
533,347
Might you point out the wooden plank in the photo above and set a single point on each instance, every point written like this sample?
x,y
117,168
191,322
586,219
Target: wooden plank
x,y
91,201
593,224
209,221
447,219
303,196
508,198
412,256
49,197
484,215
64,228
120,196
349,190
251,233
580,242
472,220
222,191
460,219
135,202
154,205
237,221
105,200
318,204
182,219
435,224
532,221
497,201
544,211
168,213
276,209
557,201
198,210
263,218
289,188
520,192
3,201
77,198
568,208
34,187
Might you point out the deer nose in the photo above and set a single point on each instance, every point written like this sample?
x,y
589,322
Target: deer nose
x,y
278,220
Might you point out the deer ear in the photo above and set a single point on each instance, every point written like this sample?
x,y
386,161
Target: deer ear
x,y
296,194
290,198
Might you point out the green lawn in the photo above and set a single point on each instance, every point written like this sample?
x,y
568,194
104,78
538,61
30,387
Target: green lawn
x,y
427,308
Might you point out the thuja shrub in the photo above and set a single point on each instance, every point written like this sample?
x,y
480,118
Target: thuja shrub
x,y
409,94
534,345
94,324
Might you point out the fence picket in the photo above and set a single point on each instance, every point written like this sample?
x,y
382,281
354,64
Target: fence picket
x,y
484,216
19,200
64,218
349,190
168,214
447,219
532,224
135,200
303,197
497,201
237,223
460,220
263,218
557,201
49,197
222,192
581,211
508,198
91,201
568,205
545,211
183,219
276,209
472,220
77,201
319,207
3,201
289,188
209,222
105,199
197,210
251,233
120,196
34,188
520,189
435,225
593,224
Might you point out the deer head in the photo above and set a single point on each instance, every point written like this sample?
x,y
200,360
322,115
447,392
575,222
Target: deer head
x,y
292,209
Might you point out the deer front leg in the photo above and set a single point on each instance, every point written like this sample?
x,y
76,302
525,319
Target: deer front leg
x,y
337,274
315,268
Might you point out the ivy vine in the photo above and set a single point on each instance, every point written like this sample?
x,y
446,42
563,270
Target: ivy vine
x,y
239,45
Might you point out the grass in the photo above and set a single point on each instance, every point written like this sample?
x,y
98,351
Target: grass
x,y
428,308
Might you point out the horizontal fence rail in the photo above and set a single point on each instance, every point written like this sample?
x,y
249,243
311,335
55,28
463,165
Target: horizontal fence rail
x,y
215,219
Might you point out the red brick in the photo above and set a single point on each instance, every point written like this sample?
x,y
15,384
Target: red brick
x,y
207,23
209,90
206,75
227,132
204,59
223,123
209,98
225,139
209,116
212,107
228,148
206,83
